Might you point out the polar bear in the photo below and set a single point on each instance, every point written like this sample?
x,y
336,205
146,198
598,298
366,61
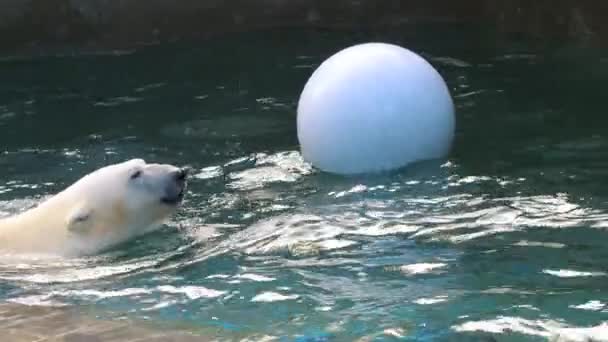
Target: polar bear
x,y
106,207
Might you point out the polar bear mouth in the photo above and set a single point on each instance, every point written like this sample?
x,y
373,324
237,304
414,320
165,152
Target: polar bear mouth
x,y
173,199
175,193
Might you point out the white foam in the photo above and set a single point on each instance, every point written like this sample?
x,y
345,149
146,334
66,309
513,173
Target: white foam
x,y
323,308
254,277
209,172
356,189
525,243
69,275
282,167
395,332
273,297
36,300
103,294
502,325
592,305
218,276
259,177
591,334
421,268
48,299
160,305
331,244
563,273
192,292
526,306
430,301
506,290
550,329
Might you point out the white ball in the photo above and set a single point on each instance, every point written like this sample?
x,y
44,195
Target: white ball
x,y
374,107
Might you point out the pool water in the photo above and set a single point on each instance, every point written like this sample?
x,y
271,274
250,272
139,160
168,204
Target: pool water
x,y
503,241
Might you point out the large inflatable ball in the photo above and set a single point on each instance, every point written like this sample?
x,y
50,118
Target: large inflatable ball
x,y
374,107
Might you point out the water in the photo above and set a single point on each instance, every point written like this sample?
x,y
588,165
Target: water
x,y
504,241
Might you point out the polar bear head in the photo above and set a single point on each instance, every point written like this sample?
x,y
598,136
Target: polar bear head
x,y
122,200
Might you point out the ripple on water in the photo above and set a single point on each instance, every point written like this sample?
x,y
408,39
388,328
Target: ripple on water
x,y
431,301
192,292
551,329
592,305
563,273
117,101
286,167
224,127
267,297
63,297
514,226
63,274
422,268
348,249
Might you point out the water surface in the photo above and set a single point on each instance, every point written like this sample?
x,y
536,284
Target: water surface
x,y
503,241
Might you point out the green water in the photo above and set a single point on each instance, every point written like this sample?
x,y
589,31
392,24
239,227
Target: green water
x,y
505,241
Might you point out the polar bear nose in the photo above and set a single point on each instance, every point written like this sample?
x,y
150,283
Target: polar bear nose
x,y
181,174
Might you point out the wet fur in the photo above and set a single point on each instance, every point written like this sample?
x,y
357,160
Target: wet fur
x,y
100,210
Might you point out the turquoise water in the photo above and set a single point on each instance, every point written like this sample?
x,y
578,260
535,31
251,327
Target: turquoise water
x,y
504,241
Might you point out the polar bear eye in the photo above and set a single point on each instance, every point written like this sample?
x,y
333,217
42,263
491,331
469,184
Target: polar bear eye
x,y
136,174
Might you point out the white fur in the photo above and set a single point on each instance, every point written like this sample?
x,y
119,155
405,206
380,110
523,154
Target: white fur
x,y
100,210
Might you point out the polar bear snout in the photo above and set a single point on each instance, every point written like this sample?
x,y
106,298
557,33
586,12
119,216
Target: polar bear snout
x,y
180,174
175,190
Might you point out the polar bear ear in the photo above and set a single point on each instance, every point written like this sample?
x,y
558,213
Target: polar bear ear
x,y
79,220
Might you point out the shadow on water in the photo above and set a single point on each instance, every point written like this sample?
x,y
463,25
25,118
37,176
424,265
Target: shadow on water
x,y
504,240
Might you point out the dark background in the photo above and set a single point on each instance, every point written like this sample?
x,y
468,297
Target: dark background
x,y
37,25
